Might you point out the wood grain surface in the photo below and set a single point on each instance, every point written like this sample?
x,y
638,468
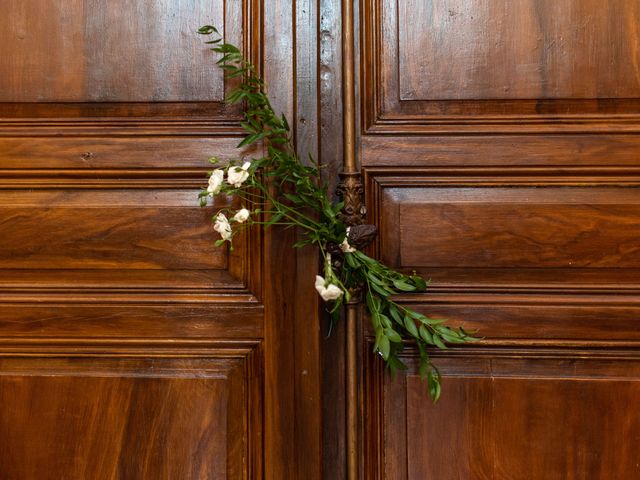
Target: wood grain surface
x,y
131,347
538,49
95,52
123,418
499,144
530,417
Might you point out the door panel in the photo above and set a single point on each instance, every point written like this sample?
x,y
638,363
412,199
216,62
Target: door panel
x,y
117,228
137,52
534,417
130,347
499,146
503,66
126,418
503,50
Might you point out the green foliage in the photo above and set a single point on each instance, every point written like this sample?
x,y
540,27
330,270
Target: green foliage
x,y
282,190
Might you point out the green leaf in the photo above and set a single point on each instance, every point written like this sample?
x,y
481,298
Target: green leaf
x,y
366,259
395,314
436,321
248,127
376,321
376,302
433,383
425,320
438,342
380,290
252,139
392,335
207,30
423,369
370,302
385,321
351,260
275,219
394,364
383,347
283,118
426,334
405,287
419,282
411,326
228,48
451,337
375,279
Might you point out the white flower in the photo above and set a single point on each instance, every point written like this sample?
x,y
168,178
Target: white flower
x,y
238,175
242,215
215,182
328,293
344,246
332,292
223,227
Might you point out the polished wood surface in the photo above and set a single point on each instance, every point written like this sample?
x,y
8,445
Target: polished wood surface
x,y
93,52
534,417
539,49
124,418
499,144
118,228
131,347
334,404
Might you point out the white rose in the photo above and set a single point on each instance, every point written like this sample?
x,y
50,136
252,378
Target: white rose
x,y
242,215
344,246
332,292
223,227
328,293
238,175
215,182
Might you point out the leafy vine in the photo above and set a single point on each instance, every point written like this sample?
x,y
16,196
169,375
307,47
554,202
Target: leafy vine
x,y
279,189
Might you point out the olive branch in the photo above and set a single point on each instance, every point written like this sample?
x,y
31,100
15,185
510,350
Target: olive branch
x,y
279,189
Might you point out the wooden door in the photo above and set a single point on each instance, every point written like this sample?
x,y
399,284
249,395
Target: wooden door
x,y
500,147
130,347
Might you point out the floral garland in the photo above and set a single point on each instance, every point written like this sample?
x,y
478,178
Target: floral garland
x,y
279,189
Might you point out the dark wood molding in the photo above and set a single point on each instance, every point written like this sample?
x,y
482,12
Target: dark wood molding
x,y
386,111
